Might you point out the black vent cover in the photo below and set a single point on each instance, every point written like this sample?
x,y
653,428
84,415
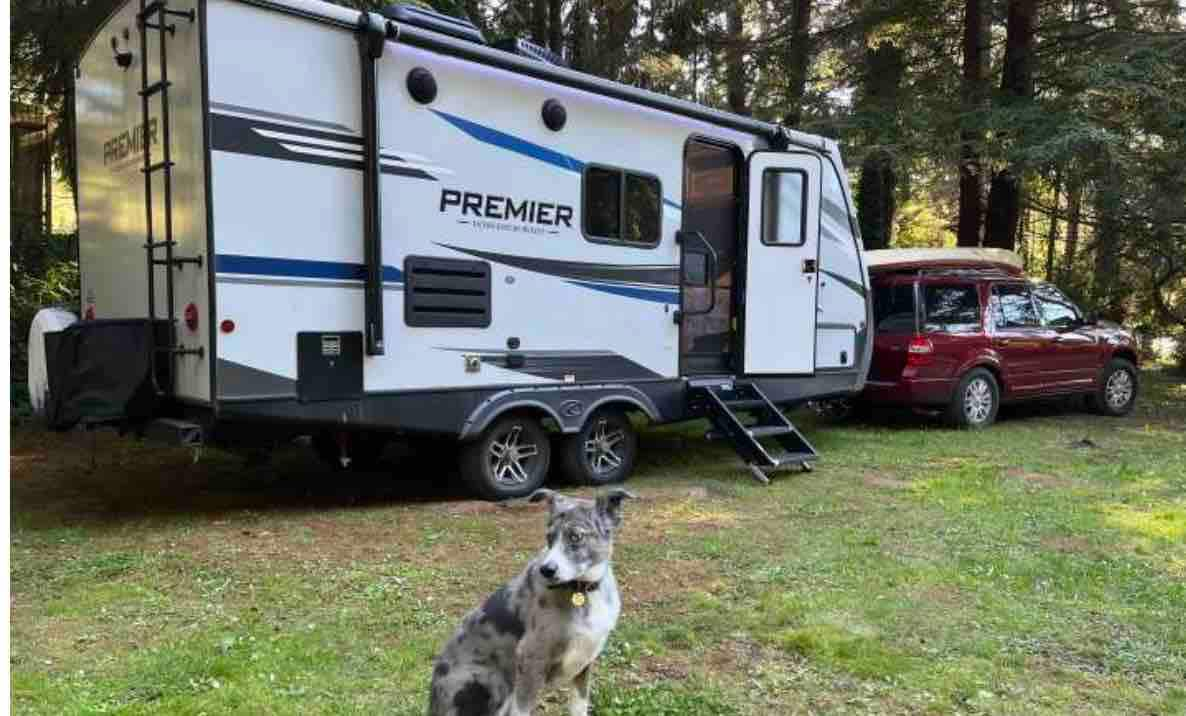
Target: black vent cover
x,y
435,21
446,293
525,48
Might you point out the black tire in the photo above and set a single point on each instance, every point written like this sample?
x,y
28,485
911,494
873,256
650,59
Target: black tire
x,y
1116,391
976,400
493,477
364,449
603,452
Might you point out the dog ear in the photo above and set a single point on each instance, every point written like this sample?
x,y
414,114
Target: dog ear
x,y
609,505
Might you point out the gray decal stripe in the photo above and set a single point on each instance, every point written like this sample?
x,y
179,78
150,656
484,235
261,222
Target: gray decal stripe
x,y
832,236
656,275
860,290
387,286
236,379
279,115
835,212
238,135
583,365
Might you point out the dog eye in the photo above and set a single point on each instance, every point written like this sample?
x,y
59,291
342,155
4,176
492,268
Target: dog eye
x,y
575,537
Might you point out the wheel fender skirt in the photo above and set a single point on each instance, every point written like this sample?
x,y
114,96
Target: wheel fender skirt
x,y
569,406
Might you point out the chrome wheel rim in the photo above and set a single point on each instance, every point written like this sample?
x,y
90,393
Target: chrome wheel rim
x,y
602,447
510,458
977,401
1118,391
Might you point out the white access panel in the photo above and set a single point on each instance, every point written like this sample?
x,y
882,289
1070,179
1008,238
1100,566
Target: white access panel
x,y
782,263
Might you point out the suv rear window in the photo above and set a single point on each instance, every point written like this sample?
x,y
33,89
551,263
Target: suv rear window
x,y
951,309
893,308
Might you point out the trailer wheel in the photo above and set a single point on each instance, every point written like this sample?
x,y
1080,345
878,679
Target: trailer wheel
x,y
509,460
364,450
604,450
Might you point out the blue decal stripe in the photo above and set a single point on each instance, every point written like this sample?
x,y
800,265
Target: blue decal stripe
x,y
512,143
299,268
646,294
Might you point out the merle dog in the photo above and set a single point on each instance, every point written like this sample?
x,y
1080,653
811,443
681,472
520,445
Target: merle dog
x,y
543,628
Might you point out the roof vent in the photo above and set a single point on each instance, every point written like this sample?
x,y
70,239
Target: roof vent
x,y
437,22
524,48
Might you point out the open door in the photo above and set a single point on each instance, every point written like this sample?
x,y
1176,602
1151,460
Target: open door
x,y
782,250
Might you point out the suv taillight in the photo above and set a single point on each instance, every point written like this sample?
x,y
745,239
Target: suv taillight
x,y
920,351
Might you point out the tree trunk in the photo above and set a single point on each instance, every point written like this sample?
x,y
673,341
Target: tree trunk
x,y
580,36
1004,209
1052,235
1017,88
555,27
1074,211
735,59
875,199
971,179
539,22
798,61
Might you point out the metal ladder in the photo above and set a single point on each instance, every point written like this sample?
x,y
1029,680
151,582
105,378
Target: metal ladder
x,y
154,16
743,415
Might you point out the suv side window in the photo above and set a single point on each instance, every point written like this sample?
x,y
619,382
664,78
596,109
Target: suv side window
x,y
1012,306
951,308
893,308
1058,311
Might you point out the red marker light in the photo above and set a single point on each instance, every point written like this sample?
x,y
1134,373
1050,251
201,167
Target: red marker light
x,y
227,325
90,313
191,317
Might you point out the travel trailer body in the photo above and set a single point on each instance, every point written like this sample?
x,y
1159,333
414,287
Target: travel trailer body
x,y
361,223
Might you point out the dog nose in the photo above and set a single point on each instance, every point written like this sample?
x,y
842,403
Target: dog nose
x,y
548,570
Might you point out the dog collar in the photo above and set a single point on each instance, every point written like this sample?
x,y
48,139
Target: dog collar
x,y
579,590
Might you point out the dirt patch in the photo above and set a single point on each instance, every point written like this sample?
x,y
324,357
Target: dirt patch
x,y
942,596
661,583
887,483
1039,479
1068,544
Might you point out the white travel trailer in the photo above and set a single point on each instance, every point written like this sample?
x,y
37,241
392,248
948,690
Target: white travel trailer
x,y
301,219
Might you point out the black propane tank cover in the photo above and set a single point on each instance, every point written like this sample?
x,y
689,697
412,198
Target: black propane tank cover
x,y
422,85
554,115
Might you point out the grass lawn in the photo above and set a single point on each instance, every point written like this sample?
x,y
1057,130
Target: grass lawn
x,y
917,570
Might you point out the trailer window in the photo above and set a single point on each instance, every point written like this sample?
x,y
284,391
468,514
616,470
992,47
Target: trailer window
x,y
622,207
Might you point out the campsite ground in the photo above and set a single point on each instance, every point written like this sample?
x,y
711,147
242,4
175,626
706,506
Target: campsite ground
x,y
1038,567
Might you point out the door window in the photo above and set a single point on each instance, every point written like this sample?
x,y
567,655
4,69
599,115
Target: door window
x,y
1058,311
951,309
1013,307
784,206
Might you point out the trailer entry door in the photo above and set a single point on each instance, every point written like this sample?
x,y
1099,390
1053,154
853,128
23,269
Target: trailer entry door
x,y
782,260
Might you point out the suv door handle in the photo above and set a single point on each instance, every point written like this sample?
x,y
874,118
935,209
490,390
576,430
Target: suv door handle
x,y
1004,341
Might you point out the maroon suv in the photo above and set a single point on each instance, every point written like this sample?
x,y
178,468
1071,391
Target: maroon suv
x,y
964,340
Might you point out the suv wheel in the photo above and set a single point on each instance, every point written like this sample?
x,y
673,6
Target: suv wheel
x,y
976,400
603,452
509,460
1116,392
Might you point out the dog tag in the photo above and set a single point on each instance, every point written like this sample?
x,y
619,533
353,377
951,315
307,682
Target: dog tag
x,y
578,599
